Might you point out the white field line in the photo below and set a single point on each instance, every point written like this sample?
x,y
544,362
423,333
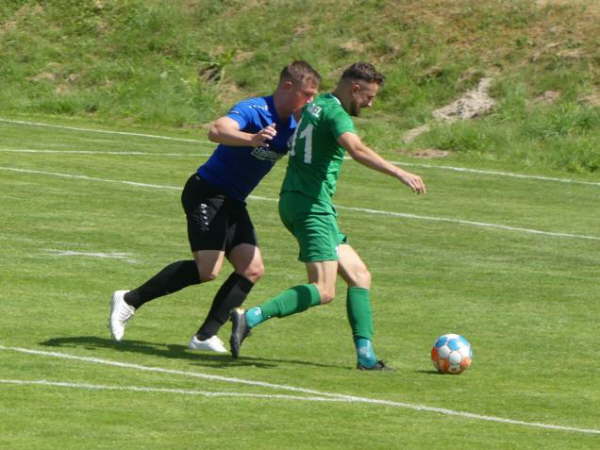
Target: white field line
x,y
320,394
429,166
86,178
470,222
103,152
457,221
112,255
341,207
167,390
92,130
498,173
397,163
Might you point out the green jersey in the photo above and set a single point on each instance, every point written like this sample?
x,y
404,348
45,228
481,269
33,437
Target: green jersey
x,y
316,157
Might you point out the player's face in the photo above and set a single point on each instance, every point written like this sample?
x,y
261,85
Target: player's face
x,y
301,94
363,94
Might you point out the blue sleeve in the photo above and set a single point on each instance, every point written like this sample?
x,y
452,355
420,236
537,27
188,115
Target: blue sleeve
x,y
242,113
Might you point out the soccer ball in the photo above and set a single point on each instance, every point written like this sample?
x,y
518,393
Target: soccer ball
x,y
451,353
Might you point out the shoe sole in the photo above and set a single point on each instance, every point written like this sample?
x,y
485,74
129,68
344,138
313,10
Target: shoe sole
x,y
380,366
212,350
195,349
206,349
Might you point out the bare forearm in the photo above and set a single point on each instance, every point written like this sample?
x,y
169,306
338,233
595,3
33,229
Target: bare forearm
x,y
229,136
226,131
372,160
364,155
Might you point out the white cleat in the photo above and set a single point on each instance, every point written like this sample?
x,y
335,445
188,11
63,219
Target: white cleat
x,y
212,344
120,313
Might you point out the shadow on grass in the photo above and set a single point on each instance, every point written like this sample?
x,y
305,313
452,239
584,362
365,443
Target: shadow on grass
x,y
174,352
429,372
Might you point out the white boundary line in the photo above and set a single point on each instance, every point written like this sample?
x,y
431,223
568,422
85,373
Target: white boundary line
x,y
85,177
319,394
102,152
397,163
92,130
341,207
401,163
167,390
499,173
470,222
103,255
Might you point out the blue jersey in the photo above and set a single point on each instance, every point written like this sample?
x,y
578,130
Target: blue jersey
x,y
237,170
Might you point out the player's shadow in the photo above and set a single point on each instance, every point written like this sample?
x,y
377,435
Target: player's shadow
x,y
172,351
429,372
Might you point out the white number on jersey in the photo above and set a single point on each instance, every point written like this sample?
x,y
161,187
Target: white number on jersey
x,y
307,135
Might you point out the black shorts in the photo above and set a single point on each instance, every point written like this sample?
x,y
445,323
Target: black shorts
x,y
215,221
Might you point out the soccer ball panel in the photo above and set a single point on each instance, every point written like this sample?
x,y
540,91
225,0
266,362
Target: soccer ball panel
x,y
454,344
441,341
465,351
444,352
455,358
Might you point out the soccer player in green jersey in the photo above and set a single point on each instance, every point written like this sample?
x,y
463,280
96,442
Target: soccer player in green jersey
x,y
323,136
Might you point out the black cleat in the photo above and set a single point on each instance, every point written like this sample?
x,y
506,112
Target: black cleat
x,y
379,365
239,330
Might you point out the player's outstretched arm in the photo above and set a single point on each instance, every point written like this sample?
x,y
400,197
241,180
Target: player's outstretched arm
x,y
227,131
367,157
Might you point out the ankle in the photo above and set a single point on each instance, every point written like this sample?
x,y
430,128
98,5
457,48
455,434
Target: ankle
x,y
254,317
365,353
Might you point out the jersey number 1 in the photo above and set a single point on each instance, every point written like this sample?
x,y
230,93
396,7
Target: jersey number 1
x,y
306,134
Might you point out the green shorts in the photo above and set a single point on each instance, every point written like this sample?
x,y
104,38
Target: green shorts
x,y
313,224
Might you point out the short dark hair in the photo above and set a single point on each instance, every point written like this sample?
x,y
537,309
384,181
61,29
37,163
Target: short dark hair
x,y
363,71
299,72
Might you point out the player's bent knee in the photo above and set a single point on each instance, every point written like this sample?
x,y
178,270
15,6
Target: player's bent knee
x,y
327,297
254,272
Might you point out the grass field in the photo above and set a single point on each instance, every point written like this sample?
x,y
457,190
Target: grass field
x,y
505,257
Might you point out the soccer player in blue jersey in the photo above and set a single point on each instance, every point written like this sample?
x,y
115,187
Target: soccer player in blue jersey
x,y
252,137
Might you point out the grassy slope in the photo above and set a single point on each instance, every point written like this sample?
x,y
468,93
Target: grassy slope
x,y
149,63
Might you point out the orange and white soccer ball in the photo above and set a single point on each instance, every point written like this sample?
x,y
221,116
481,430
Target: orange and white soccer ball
x,y
451,353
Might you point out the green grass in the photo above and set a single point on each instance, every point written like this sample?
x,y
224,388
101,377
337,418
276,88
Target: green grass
x,y
526,301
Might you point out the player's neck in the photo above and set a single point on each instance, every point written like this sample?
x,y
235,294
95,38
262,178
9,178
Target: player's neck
x,y
283,113
342,96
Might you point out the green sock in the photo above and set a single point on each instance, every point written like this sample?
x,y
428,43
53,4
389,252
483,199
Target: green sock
x,y
254,316
291,301
358,306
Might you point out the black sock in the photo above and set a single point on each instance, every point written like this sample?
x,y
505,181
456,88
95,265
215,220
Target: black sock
x,y
171,279
230,295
